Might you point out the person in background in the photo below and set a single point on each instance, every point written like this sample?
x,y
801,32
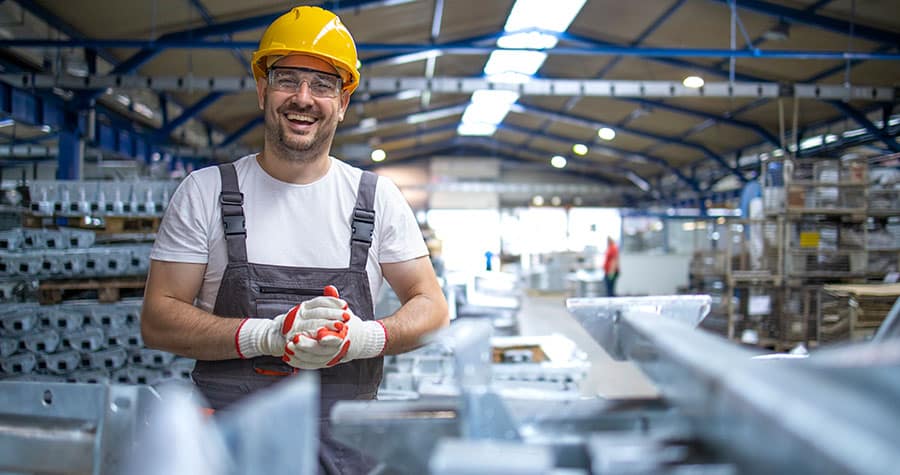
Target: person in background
x,y
247,249
611,267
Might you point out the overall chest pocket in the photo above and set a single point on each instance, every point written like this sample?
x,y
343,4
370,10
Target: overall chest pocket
x,y
272,300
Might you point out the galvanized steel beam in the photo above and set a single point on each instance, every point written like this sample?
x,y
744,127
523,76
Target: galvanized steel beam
x,y
466,85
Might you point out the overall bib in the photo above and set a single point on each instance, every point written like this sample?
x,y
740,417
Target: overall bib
x,y
265,291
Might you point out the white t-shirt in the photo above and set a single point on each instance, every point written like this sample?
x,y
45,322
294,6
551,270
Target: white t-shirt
x,y
287,224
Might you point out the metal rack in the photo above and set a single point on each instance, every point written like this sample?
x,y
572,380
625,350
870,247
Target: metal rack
x,y
814,231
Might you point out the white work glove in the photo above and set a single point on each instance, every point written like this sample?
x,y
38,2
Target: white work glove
x,y
346,339
265,337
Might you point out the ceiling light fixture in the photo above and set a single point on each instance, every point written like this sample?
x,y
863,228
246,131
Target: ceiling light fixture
x,y
606,133
378,155
530,26
780,32
558,161
693,82
580,149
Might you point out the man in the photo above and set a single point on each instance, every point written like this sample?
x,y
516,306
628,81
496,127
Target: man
x,y
611,267
246,250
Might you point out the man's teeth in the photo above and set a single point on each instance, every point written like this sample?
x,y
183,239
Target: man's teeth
x,y
301,117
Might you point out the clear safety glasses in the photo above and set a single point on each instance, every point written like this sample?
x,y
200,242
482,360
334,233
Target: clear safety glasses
x,y
320,83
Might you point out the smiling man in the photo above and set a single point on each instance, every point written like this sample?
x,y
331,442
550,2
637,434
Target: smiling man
x,y
270,264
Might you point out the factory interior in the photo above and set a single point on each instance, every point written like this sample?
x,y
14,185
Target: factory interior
x,y
667,233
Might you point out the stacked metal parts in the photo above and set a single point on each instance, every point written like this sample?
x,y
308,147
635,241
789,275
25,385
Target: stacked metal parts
x,y
723,410
71,286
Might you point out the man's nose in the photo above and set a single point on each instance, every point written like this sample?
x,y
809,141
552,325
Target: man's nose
x,y
303,93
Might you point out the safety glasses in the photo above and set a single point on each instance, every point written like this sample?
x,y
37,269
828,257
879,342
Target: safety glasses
x,y
289,80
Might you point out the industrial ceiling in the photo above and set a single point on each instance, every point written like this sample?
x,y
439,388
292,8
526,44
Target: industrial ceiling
x,y
172,77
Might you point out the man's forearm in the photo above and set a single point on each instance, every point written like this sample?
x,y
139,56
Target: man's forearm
x,y
177,327
418,317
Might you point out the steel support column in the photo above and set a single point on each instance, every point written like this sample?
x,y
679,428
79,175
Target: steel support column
x,y
71,149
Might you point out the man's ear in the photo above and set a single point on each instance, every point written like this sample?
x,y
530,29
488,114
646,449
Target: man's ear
x,y
261,85
345,102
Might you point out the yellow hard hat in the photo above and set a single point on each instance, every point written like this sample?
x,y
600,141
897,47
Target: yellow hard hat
x,y
312,31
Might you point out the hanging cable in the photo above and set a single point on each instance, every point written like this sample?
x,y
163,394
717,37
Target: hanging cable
x,y
848,64
796,119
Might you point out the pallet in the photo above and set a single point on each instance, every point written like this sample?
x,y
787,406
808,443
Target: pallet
x,y
105,290
98,224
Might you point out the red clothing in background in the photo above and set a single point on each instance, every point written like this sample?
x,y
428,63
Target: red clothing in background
x,y
612,255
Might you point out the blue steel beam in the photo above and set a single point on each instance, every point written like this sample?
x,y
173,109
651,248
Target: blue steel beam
x,y
666,55
574,160
862,120
819,21
641,133
242,130
51,19
678,63
189,113
643,36
755,128
468,146
658,161
198,5
227,28
532,134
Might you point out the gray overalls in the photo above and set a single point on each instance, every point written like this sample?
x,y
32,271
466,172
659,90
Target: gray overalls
x,y
265,291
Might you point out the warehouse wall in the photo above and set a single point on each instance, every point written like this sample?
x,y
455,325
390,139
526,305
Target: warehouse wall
x,y
644,274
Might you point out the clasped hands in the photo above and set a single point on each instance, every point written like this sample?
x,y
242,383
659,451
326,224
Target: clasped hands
x,y
318,333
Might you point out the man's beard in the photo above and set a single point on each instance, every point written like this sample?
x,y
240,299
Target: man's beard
x,y
293,147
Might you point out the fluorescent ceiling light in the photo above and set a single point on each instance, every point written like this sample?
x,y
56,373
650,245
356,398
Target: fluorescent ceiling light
x,y
638,181
526,21
6,123
370,122
510,77
551,16
558,161
485,113
378,155
488,107
414,57
853,133
606,133
694,82
811,142
527,40
495,97
524,62
143,110
408,94
476,128
580,149
426,116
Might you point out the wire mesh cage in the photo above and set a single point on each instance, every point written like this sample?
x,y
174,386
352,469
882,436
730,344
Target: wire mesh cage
x,y
824,248
815,185
798,317
853,312
754,250
755,313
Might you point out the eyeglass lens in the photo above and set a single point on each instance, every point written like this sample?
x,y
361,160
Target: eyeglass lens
x,y
290,79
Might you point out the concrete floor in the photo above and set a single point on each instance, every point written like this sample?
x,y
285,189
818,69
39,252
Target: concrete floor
x,y
545,314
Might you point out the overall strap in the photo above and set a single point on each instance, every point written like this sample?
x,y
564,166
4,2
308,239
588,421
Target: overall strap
x,y
362,224
231,200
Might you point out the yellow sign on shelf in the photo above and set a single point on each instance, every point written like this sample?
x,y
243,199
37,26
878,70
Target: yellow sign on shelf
x,y
809,239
